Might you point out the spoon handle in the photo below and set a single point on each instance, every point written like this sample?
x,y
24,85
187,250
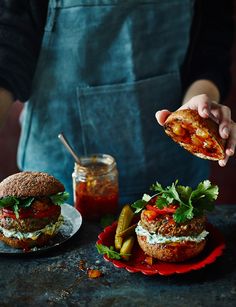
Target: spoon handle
x,y
64,141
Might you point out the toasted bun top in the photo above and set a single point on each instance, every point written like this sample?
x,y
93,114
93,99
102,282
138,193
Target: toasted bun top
x,y
198,135
26,184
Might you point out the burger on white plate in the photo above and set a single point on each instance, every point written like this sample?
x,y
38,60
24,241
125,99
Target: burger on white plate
x,y
30,212
172,226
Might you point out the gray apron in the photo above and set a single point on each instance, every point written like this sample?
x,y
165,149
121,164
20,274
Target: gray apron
x,y
105,68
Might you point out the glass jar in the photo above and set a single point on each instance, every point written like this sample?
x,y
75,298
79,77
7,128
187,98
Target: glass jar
x,y
95,186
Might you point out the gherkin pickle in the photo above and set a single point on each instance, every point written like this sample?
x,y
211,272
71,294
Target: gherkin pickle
x,y
124,221
126,248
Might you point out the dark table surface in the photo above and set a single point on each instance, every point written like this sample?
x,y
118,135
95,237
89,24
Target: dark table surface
x,y
56,278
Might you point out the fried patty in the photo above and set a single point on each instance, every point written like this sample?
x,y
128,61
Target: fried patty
x,y
166,226
31,224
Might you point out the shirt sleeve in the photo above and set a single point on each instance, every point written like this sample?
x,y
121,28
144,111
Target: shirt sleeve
x,y
209,54
21,31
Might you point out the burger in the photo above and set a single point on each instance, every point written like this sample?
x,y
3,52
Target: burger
x,y
30,212
198,135
172,226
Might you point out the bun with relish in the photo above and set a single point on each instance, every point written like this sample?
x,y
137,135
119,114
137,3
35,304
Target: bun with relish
x,y
198,135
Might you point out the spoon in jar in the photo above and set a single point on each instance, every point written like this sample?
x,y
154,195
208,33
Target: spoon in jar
x,y
64,141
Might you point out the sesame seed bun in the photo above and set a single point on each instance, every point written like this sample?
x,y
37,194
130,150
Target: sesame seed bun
x,y
198,135
26,184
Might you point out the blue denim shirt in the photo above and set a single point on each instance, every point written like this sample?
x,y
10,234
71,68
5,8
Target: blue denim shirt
x,y
105,68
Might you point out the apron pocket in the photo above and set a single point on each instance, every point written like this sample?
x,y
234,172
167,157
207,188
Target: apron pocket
x,y
120,120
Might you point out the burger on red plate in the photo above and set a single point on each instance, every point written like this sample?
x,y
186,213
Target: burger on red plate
x,y
30,212
172,226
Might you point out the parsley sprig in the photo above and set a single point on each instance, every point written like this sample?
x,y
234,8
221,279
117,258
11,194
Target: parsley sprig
x,y
190,202
109,251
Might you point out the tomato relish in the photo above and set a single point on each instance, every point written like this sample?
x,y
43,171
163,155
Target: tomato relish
x,y
95,186
93,206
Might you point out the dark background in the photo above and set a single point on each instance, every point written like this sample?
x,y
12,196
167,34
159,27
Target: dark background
x,y
224,177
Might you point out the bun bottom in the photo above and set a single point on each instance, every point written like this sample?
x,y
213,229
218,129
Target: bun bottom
x,y
171,252
42,240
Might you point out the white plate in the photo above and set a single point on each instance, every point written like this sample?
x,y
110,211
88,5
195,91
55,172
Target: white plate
x,y
72,223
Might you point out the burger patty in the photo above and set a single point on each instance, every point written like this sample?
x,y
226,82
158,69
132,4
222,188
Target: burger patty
x,y
166,226
28,224
31,224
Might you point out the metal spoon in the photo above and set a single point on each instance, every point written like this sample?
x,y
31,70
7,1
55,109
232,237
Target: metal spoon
x,y
69,148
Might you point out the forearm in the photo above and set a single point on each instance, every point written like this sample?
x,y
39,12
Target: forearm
x,y
200,87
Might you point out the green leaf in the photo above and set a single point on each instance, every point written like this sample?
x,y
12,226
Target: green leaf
x,y
60,198
105,250
182,214
161,202
191,202
16,210
139,205
8,201
184,192
207,190
26,203
157,187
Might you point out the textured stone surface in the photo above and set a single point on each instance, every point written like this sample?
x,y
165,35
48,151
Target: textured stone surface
x,y
57,278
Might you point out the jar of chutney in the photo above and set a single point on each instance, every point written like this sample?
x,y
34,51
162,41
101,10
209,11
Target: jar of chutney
x,y
95,186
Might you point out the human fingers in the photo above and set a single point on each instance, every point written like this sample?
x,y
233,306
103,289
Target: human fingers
x,y
230,145
161,116
201,103
225,122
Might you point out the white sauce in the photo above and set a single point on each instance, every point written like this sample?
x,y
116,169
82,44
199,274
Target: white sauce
x,y
153,238
49,229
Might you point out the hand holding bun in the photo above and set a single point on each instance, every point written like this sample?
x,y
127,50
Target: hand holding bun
x,y
214,118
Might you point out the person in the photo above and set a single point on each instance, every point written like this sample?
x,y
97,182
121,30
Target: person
x,y
101,69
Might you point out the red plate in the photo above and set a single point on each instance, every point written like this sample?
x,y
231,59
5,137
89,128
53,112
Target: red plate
x,y
214,248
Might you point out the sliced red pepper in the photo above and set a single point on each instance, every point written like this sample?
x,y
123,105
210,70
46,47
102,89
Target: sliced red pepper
x,y
165,210
26,213
150,214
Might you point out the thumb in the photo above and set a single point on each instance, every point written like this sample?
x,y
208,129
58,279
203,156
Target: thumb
x,y
161,116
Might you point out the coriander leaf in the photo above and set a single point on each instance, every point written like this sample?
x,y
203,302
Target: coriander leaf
x,y
174,191
105,250
25,203
161,202
156,187
207,190
60,198
184,192
8,201
139,205
182,214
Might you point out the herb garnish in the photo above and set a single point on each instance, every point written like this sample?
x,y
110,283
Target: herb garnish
x,y
17,203
60,198
190,202
109,251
